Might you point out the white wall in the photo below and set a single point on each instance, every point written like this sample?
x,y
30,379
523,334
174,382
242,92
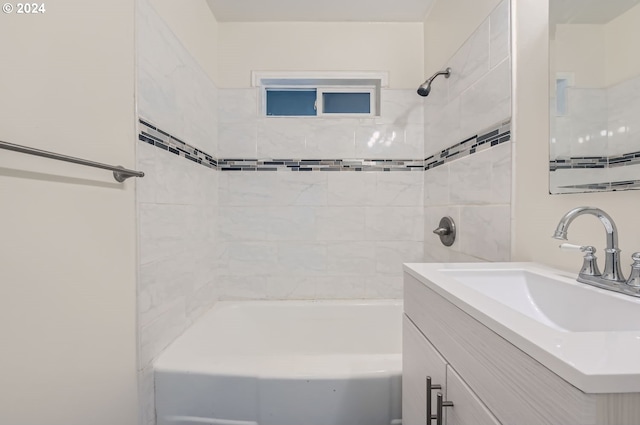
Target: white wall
x,y
315,46
446,27
621,37
67,257
193,23
580,50
536,212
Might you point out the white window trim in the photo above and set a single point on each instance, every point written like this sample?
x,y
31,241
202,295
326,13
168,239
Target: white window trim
x,y
323,81
258,78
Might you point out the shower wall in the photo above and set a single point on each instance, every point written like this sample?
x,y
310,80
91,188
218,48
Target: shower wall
x,y
319,234
177,198
468,147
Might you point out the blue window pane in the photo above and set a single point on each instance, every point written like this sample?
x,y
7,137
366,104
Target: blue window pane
x,y
291,102
346,103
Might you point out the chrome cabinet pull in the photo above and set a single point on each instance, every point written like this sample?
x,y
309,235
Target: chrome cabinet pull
x,y
441,404
430,387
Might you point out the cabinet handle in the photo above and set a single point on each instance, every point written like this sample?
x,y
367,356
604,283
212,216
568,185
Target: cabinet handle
x,y
441,404
430,387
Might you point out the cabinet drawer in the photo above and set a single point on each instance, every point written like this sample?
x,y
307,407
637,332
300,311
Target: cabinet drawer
x,y
419,360
467,408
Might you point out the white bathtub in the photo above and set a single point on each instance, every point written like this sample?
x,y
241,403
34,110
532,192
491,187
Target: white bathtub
x,y
285,363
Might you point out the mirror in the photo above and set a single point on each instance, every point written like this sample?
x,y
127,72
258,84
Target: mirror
x,y
594,95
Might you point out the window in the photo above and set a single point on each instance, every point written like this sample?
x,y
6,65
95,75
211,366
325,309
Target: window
x,y
301,95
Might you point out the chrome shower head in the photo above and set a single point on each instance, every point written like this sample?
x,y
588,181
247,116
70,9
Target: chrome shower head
x,y
425,87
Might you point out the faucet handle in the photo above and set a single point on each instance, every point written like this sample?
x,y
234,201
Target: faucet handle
x,y
634,277
590,265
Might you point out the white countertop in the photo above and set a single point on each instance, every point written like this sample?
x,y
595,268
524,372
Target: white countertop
x,y
594,362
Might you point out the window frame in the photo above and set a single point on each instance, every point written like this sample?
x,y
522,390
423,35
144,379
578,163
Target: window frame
x,y
322,82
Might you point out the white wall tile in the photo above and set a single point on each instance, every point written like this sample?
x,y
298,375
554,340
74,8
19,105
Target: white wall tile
x,y
236,287
248,188
401,107
242,224
290,223
389,256
302,188
287,287
331,138
238,105
485,232
398,189
394,223
282,137
436,186
340,223
172,89
238,140
470,179
487,102
145,161
351,258
340,287
160,231
442,127
500,33
470,62
299,258
384,287
251,258
146,412
157,335
351,188
501,166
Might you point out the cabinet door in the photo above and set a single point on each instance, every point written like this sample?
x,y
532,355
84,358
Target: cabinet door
x,y
419,360
467,408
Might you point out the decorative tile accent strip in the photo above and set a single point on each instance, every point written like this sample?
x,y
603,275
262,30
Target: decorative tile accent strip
x,y
320,164
151,134
564,163
608,186
493,136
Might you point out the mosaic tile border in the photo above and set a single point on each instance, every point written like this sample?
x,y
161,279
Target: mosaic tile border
x,y
566,163
320,164
608,186
495,135
151,134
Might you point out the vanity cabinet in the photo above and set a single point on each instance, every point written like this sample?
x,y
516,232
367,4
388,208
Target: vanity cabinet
x,y
488,379
421,360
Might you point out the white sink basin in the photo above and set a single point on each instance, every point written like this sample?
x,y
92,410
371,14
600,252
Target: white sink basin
x,y
588,336
572,307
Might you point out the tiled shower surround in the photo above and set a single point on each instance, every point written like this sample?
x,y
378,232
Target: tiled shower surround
x,y
475,190
177,199
239,206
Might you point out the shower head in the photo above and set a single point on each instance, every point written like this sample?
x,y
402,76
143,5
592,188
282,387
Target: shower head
x,y
425,87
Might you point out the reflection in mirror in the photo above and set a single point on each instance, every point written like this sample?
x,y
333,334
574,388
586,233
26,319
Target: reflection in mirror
x,y
594,95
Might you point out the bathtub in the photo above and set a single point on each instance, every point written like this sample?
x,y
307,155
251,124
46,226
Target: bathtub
x,y
285,363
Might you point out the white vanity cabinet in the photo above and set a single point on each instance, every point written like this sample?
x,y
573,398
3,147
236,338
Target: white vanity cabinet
x,y
488,379
421,360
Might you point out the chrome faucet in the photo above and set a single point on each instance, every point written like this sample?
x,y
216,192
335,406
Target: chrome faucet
x,y
611,278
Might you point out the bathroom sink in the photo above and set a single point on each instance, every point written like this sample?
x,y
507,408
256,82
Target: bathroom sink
x,y
552,301
584,334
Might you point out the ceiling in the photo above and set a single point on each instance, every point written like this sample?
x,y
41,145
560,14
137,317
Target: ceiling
x,y
587,11
320,11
